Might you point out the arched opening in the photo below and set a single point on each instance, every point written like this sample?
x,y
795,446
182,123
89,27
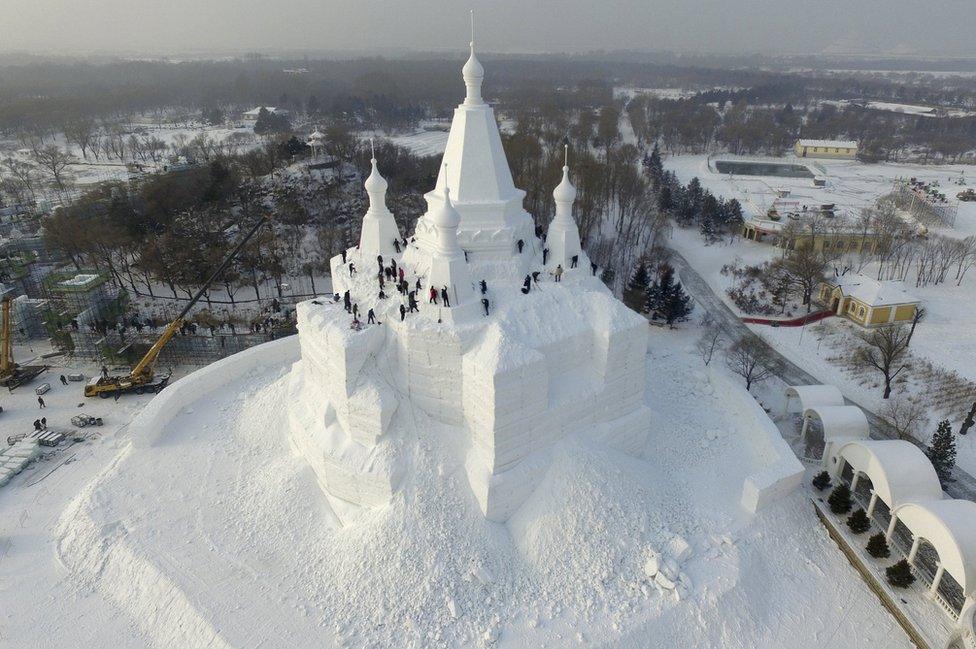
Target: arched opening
x,y
846,471
862,493
902,537
881,513
813,438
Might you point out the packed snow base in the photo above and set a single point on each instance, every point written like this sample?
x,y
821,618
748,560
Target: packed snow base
x,y
260,556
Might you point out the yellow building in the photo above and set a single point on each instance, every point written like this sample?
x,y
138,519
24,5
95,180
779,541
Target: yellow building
x,y
836,241
840,149
867,301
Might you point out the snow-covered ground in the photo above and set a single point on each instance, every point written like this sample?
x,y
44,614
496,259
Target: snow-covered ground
x,y
421,142
213,532
851,185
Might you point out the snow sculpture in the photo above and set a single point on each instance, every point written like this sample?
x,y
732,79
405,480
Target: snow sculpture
x,y
510,367
379,228
563,237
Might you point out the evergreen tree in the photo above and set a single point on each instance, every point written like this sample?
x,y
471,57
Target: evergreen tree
x,y
707,229
636,290
269,122
840,499
821,481
900,574
878,547
858,522
667,299
942,452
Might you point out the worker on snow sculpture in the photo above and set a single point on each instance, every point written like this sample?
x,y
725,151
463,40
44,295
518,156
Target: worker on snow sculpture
x,y
526,285
545,256
520,244
558,273
444,297
396,245
412,298
347,301
403,312
418,284
574,261
593,267
535,277
484,303
370,317
433,296
484,286
352,269
379,260
382,295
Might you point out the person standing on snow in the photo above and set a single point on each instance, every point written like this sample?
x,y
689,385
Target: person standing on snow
x,y
484,303
520,244
370,317
444,297
403,312
558,273
433,296
526,285
484,287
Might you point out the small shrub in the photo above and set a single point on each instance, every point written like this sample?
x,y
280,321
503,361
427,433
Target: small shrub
x,y
900,575
858,522
878,547
840,499
821,481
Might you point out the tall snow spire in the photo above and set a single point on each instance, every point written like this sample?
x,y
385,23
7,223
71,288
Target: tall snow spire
x,y
473,74
448,267
375,186
563,236
564,193
379,227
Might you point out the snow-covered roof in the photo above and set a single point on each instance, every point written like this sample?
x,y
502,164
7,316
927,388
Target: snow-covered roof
x,y
950,526
841,421
811,396
837,144
871,291
899,471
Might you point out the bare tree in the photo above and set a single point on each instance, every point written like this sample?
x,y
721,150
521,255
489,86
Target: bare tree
x,y
55,162
83,131
710,340
918,317
906,415
884,350
752,359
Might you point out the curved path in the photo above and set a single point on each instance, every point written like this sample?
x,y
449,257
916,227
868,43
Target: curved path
x,y
964,485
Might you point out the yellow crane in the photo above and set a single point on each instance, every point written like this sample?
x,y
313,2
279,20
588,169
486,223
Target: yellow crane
x,y
142,378
12,374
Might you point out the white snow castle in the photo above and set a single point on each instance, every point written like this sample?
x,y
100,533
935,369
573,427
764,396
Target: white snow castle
x,y
508,372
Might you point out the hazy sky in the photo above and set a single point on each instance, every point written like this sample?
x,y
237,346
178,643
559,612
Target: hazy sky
x,y
53,26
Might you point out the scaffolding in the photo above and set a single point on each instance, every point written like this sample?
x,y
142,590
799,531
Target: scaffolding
x,y
926,203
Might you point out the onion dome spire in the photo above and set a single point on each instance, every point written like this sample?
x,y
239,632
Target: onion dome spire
x,y
564,194
375,186
473,74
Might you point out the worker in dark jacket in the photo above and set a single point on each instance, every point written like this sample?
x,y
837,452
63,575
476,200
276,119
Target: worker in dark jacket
x,y
379,260
403,312
444,297
412,298
370,317
545,256
347,302
574,261
396,245
484,303
484,287
520,245
526,285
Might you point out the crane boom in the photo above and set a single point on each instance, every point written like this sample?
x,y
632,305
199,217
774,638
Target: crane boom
x,y
149,360
142,374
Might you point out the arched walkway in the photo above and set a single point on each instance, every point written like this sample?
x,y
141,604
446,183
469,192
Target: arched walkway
x,y
824,426
801,397
942,536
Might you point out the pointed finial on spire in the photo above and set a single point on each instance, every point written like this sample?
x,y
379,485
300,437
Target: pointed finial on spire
x,y
565,156
372,149
473,74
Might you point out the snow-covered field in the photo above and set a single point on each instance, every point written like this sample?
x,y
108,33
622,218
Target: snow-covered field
x,y
850,185
212,532
421,142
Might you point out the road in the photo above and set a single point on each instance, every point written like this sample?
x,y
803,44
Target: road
x,y
964,485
